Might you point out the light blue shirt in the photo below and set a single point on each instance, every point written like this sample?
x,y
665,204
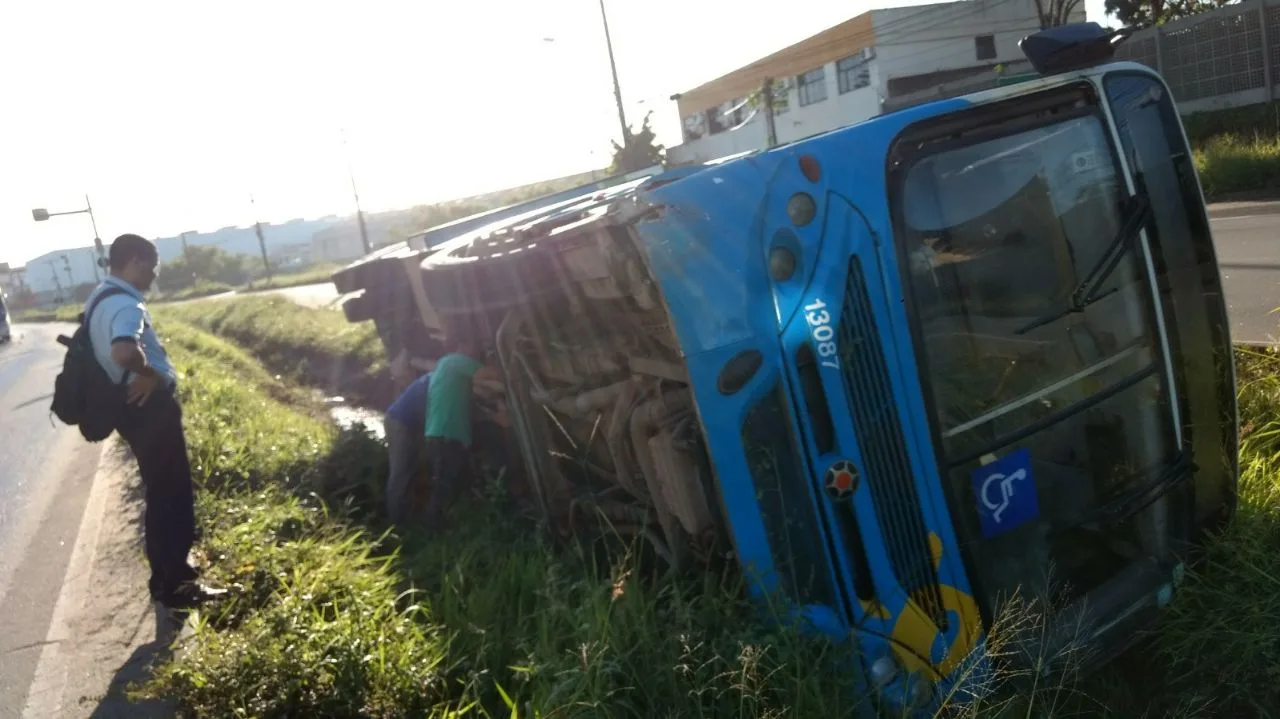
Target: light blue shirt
x,y
124,316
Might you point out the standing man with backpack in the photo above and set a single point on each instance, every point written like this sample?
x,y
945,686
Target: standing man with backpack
x,y
125,345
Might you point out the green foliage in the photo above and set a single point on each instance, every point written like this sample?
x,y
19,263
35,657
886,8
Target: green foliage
x,y
1261,120
1228,164
203,263
1156,12
641,150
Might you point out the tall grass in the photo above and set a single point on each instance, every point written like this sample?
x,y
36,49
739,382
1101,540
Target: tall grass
x,y
1230,164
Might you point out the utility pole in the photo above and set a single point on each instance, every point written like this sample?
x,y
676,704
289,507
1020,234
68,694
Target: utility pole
x,y
66,264
771,129
262,242
97,240
186,255
364,232
613,67
56,282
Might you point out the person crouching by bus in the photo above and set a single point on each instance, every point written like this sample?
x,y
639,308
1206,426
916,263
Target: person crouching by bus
x,y
404,424
448,427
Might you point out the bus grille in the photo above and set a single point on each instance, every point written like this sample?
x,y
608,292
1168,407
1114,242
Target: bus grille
x,y
786,505
878,428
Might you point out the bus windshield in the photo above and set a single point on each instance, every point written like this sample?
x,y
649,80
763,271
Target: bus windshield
x,y
1000,235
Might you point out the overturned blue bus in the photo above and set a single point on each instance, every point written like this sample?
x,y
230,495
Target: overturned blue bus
x,y
907,370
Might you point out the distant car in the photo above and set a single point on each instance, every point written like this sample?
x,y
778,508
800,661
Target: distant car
x,y
4,321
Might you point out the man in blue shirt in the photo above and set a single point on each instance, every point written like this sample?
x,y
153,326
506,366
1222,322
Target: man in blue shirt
x,y
404,423
126,346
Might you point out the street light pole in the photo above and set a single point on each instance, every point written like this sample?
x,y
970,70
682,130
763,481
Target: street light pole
x,y
364,232
613,68
42,215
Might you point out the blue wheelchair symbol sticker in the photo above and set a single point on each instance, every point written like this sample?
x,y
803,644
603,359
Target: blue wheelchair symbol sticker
x,y
1006,493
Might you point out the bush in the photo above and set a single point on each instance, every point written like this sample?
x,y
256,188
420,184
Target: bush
x,y
202,263
1260,120
1229,164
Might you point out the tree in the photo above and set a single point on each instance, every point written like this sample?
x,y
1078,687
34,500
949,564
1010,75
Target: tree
x,y
640,150
211,264
1144,13
1053,13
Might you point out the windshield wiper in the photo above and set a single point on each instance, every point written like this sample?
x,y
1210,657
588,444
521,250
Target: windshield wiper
x,y
1137,213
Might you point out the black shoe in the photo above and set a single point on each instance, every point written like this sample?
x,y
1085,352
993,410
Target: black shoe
x,y
190,595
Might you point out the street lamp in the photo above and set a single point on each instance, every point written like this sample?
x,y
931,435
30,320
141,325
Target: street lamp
x,y
41,215
613,70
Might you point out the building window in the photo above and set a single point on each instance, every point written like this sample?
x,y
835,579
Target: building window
x,y
812,86
735,112
695,126
854,72
985,46
715,121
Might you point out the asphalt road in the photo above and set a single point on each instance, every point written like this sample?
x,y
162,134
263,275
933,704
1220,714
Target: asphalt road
x,y
1247,237
320,296
46,470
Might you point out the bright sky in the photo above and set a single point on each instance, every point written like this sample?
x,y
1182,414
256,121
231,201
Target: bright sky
x,y
169,115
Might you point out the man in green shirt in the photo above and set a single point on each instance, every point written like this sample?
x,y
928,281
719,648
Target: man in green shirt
x,y
448,427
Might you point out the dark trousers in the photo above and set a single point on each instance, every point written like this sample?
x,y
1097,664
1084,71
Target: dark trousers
x,y
450,465
154,433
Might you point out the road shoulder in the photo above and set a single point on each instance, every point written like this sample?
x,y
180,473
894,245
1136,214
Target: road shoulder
x,y
103,633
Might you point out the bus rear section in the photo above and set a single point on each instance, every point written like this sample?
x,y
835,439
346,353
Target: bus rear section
x,y
965,356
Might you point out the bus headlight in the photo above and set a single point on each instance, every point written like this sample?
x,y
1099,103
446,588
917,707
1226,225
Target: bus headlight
x,y
782,263
884,670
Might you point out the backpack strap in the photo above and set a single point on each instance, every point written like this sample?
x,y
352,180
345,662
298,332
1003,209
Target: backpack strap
x,y
109,292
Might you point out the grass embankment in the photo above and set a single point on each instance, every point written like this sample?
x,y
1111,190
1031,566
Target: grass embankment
x,y
333,619
63,313
312,275
318,348
329,621
202,288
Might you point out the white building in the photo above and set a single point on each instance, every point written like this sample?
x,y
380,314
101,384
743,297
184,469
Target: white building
x,y
72,267
850,72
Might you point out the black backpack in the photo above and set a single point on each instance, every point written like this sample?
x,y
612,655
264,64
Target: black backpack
x,y
83,393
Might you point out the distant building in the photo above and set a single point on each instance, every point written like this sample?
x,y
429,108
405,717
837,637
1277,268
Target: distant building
x,y
62,270
342,243
853,71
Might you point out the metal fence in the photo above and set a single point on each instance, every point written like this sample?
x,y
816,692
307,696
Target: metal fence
x,y
1227,57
